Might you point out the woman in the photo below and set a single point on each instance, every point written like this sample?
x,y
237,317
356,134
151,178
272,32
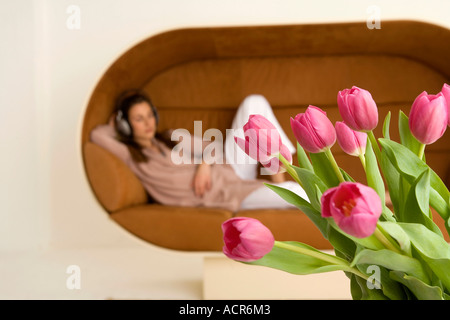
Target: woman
x,y
132,136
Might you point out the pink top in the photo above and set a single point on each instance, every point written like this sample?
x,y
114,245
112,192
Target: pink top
x,y
171,184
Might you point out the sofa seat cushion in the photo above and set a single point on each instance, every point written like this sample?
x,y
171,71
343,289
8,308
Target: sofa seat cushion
x,y
178,228
199,229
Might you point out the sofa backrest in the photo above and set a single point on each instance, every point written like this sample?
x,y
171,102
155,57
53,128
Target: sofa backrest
x,y
204,74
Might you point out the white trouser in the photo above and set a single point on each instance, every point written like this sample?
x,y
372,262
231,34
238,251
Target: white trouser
x,y
247,168
265,198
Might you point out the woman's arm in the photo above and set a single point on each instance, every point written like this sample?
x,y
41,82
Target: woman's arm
x,y
202,180
105,137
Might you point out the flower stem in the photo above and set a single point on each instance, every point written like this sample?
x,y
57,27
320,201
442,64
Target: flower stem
x,y
289,169
421,150
376,147
386,240
334,164
321,256
363,160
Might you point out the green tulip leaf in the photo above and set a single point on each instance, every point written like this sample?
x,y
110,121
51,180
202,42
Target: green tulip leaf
x,y
417,208
397,232
410,167
404,160
302,158
386,125
361,291
420,289
421,192
432,248
318,195
391,260
323,169
392,178
346,176
355,289
368,242
299,263
379,283
294,199
374,178
343,245
387,214
406,137
313,186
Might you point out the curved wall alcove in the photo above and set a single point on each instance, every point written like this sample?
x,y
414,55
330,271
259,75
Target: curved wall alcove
x,y
204,74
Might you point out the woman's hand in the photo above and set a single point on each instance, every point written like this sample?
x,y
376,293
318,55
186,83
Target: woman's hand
x,y
278,177
202,179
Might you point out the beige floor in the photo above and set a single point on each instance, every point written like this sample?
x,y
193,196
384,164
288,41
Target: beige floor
x,y
227,279
105,273
133,273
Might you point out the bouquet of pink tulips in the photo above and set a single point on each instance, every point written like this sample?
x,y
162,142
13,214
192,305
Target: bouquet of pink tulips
x,y
397,253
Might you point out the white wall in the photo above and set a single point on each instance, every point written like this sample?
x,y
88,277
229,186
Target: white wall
x,y
47,73
19,146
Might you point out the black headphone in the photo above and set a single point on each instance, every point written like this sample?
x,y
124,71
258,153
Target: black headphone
x,y
122,124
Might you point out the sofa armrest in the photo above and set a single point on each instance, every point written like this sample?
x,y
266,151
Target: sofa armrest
x,y
114,184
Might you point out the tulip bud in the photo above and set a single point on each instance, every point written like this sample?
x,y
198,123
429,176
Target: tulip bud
x,y
263,143
428,117
313,130
246,239
354,207
358,109
446,92
352,142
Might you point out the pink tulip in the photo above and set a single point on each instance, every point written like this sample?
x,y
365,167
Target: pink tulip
x,y
358,109
446,92
354,207
352,142
263,143
428,117
246,239
313,130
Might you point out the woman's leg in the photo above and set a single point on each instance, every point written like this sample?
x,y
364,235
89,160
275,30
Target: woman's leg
x,y
244,166
265,198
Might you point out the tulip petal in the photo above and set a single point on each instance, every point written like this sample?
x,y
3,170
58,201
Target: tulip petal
x,y
364,110
360,226
302,134
345,111
246,239
371,199
351,142
322,128
313,130
262,136
286,153
358,109
428,118
446,93
326,201
354,207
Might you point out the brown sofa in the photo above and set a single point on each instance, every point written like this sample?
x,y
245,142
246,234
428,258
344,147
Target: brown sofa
x,y
203,74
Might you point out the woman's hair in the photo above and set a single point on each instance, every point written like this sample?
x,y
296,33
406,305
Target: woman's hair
x,y
123,105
